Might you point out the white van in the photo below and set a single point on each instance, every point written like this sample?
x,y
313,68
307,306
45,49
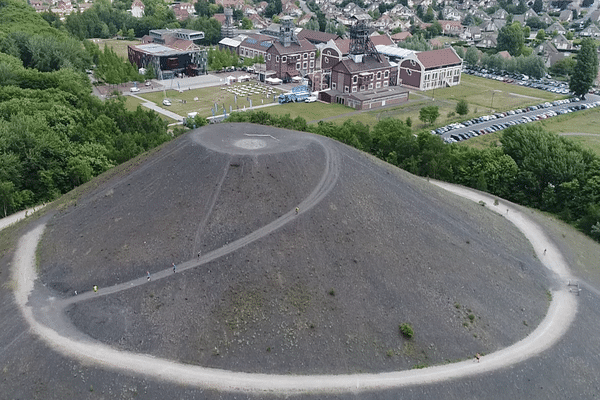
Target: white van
x,y
310,99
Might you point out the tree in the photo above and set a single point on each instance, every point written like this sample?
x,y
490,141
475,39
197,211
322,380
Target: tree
x,y
541,35
511,39
429,114
472,56
246,23
460,52
586,68
538,6
564,67
273,8
462,107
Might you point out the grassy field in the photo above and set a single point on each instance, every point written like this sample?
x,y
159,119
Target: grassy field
x,y
586,121
311,112
202,100
119,46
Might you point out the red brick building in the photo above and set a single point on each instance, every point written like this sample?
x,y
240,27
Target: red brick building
x,y
289,56
431,69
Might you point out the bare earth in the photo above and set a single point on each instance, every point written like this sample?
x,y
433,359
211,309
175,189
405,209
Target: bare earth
x,y
44,310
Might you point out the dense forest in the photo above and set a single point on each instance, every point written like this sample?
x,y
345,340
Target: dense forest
x,y
54,135
532,167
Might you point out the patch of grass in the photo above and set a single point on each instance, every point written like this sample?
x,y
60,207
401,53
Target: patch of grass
x,y
331,292
389,353
420,366
299,297
311,112
471,317
482,203
119,46
585,121
406,330
590,142
549,295
457,305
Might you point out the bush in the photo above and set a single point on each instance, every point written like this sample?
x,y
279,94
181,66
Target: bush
x,y
462,107
406,330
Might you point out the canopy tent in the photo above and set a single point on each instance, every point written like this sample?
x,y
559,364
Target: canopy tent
x,y
273,81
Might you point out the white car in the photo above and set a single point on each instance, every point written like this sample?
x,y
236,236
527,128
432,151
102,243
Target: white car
x,y
148,83
134,89
166,102
310,99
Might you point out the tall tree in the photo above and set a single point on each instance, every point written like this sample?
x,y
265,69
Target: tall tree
x,y
472,56
538,6
429,114
586,68
511,39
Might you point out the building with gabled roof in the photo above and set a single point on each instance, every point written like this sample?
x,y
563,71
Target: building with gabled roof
x,y
137,9
431,69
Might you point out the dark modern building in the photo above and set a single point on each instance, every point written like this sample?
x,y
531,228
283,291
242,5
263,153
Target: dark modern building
x,y
170,52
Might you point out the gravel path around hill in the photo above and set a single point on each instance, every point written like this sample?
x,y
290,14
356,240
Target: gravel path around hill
x,y
48,321
11,219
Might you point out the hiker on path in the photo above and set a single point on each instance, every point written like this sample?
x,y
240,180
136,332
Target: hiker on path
x,y
477,356
95,289
148,275
174,266
297,210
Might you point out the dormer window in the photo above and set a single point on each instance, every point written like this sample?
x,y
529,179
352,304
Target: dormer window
x,y
283,58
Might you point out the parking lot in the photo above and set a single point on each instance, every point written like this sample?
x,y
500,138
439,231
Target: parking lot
x,y
457,132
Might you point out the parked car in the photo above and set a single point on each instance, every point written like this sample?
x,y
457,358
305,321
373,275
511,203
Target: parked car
x,y
166,102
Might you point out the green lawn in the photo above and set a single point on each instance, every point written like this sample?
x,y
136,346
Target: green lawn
x,y
586,121
119,46
202,100
311,112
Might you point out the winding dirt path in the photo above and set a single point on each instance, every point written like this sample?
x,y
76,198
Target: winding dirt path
x,y
47,319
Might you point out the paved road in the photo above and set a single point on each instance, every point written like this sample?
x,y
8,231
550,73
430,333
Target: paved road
x,y
46,317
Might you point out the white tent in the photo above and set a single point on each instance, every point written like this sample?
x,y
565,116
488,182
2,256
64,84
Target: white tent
x,y
273,81
230,79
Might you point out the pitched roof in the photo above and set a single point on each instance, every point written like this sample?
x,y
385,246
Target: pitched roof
x,y
368,63
294,47
316,36
343,45
438,58
401,36
381,39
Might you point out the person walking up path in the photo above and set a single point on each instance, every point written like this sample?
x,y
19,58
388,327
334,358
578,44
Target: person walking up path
x,y
174,266
148,275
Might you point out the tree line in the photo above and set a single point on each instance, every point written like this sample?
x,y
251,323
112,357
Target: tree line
x,y
54,135
532,167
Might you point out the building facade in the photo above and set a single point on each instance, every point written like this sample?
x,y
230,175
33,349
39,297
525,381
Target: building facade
x,y
431,69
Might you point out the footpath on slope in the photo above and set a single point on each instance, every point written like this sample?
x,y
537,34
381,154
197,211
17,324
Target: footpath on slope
x,y
47,320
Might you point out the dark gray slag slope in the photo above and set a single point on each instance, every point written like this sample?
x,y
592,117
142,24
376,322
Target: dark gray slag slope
x,y
391,246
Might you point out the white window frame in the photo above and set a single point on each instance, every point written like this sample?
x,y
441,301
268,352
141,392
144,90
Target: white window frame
x,y
378,85
312,55
297,66
378,74
276,59
354,78
353,89
326,60
311,64
385,83
305,56
305,65
346,89
333,85
269,56
283,59
386,73
370,85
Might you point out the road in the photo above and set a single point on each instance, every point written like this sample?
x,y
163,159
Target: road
x,y
47,319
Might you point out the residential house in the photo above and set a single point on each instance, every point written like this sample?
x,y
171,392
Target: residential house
x,y
549,53
401,11
561,42
591,31
451,13
255,45
431,69
488,41
383,22
565,16
400,36
556,27
304,19
137,9
500,14
183,11
471,33
451,28
545,18
258,22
